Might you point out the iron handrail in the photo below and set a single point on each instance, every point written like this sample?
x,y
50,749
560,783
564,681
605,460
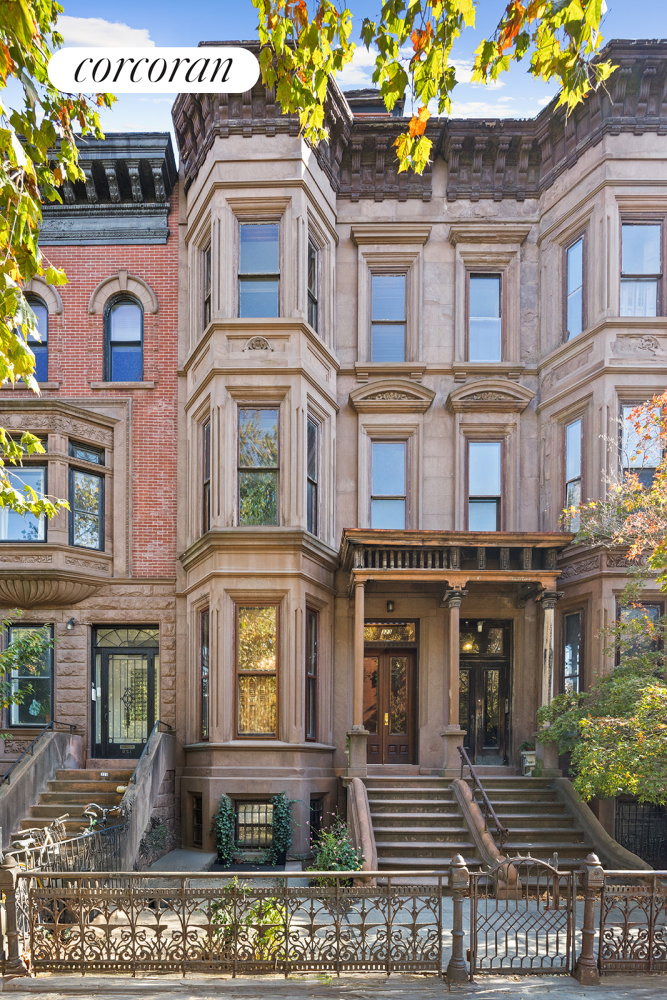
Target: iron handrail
x,y
30,749
158,723
503,832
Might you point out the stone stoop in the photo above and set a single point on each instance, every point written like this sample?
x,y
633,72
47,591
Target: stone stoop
x,y
71,791
417,823
538,823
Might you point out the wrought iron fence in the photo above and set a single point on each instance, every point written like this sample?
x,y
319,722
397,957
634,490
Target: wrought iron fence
x,y
633,922
522,918
134,922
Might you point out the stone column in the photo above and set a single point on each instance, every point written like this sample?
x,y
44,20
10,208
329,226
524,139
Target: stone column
x,y
358,736
453,734
546,755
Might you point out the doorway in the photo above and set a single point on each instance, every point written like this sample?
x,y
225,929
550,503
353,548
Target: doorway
x,y
389,695
484,709
124,691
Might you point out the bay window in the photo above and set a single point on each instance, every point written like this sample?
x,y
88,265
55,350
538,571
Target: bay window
x,y
24,527
572,627
86,501
257,670
639,454
575,289
312,475
313,286
641,268
259,269
258,465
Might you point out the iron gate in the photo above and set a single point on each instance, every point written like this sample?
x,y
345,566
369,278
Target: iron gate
x,y
522,918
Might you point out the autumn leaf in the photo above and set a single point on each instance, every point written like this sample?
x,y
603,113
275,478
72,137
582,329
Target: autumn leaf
x,y
418,122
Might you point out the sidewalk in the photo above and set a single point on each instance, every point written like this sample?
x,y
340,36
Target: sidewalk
x,y
324,987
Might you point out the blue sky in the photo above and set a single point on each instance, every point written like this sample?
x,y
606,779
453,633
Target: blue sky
x,y
172,22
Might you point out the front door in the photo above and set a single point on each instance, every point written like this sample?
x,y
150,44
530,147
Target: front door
x,y
124,701
485,657
389,691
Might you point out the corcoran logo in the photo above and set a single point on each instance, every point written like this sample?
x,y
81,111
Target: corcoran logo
x,y
210,69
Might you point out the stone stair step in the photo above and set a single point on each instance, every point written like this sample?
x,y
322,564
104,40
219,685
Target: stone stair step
x,y
441,864
122,775
82,798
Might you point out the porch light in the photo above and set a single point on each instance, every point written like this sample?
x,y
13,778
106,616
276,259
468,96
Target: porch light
x,y
390,606
70,624
480,626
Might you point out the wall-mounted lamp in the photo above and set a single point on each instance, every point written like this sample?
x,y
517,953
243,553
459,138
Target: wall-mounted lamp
x,y
70,624
480,626
390,606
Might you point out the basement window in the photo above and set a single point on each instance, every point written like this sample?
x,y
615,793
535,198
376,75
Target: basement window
x,y
197,821
254,824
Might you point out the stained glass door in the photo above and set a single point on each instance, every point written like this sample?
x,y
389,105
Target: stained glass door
x,y
124,694
389,681
484,708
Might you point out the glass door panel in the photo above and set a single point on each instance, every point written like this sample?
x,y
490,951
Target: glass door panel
x,y
389,699
124,701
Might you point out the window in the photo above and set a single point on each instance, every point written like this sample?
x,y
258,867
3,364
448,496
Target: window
x,y
388,317
573,470
254,824
312,475
259,269
86,453
35,682
204,674
575,289
206,476
257,670
313,285
311,674
125,335
484,324
24,528
637,455
484,485
316,817
258,466
40,348
197,821
572,626
640,269
86,500
635,644
388,493
206,285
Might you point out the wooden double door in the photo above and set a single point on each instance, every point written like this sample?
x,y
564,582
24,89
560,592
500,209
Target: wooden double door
x,y
389,705
484,709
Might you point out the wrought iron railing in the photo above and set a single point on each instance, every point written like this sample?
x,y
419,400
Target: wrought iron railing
x,y
31,748
94,850
633,922
486,807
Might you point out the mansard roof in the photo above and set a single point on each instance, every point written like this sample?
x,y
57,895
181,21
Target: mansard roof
x,y
486,158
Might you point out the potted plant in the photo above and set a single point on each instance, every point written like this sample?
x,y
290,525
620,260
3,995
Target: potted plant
x,y
527,752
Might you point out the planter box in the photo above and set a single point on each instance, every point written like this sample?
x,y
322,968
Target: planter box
x,y
527,761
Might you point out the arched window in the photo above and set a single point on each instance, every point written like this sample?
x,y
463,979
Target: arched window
x,y
40,348
124,323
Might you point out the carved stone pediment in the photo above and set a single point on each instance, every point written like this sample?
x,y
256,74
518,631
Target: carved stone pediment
x,y
489,395
391,395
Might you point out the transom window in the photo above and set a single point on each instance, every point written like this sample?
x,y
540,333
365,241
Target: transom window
x,y
40,347
573,470
313,286
259,269
125,340
86,453
258,466
388,317
29,480
257,670
484,485
33,681
572,625
575,288
132,638
388,492
639,455
641,268
484,322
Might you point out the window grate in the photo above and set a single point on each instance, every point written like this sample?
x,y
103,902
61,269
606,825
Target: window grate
x,y
254,824
641,827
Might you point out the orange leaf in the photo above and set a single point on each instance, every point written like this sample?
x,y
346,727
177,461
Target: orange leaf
x,y
418,122
420,39
514,19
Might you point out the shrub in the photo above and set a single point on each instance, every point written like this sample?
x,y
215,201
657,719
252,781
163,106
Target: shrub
x,y
335,852
265,921
281,840
224,831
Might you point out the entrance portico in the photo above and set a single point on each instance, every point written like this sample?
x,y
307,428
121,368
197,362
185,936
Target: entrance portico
x,y
500,577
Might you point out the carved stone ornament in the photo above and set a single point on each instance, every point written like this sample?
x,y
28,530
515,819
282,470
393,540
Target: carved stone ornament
x,y
572,570
391,395
258,344
489,396
645,345
23,591
16,746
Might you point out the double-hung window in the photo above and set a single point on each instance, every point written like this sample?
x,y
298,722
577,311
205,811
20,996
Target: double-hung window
x,y
388,492
572,627
206,285
484,318
388,321
124,341
639,454
575,288
32,680
313,286
312,475
311,673
484,485
24,528
40,347
206,476
204,675
86,501
258,465
573,470
259,269
641,268
257,670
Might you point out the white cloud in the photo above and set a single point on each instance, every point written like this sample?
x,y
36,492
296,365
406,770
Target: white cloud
x,y
543,101
359,72
483,109
96,31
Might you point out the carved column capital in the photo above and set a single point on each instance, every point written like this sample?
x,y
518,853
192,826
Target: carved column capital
x,y
453,598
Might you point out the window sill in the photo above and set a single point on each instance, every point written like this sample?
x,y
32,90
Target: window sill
x,y
122,385
24,388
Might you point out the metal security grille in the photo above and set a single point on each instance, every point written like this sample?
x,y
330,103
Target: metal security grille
x,y
254,824
642,828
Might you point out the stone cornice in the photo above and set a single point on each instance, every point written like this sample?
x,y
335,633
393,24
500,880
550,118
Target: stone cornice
x,y
389,233
242,540
488,232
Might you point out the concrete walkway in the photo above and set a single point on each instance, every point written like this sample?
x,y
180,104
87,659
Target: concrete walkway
x,y
325,987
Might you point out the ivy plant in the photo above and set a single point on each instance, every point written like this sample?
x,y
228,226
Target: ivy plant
x,y
282,828
224,831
